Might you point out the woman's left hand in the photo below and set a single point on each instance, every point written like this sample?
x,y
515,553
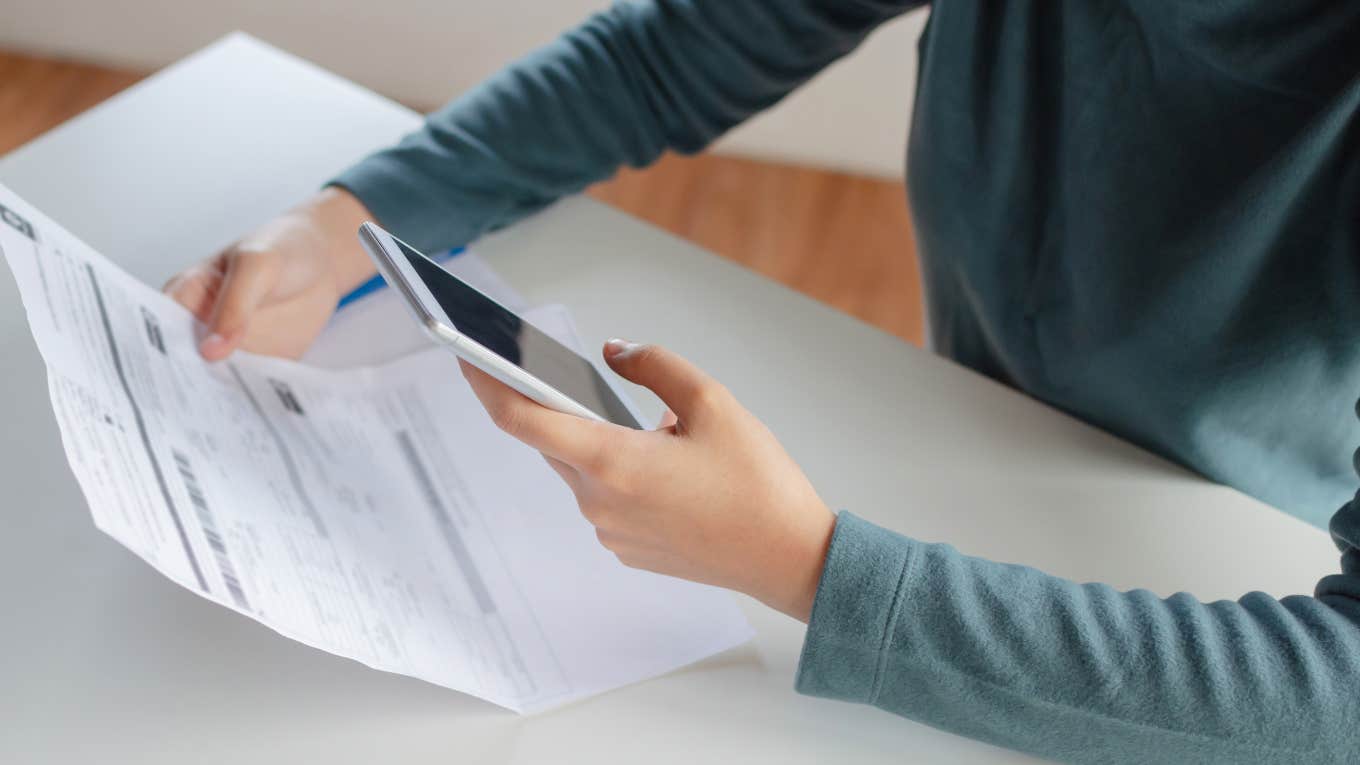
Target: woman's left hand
x,y
709,496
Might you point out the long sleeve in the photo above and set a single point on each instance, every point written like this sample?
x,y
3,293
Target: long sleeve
x,y
1084,673
626,85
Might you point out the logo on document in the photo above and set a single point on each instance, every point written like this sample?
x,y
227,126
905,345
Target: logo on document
x,y
17,223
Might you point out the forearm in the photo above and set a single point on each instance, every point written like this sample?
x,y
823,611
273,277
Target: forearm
x,y
1083,673
621,88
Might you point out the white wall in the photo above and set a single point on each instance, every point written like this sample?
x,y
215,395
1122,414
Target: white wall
x,y
853,116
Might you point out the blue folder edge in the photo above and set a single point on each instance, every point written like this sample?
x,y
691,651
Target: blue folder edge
x,y
377,282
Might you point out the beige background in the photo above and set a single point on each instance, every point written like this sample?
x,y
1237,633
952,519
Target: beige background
x,y
853,117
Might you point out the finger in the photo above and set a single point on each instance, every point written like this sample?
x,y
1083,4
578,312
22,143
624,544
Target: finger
x,y
567,472
668,419
195,290
661,561
565,437
247,282
687,390
610,539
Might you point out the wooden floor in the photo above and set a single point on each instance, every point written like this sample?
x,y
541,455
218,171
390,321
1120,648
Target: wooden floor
x,y
842,239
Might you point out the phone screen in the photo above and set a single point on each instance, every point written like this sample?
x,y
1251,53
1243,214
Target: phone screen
x,y
517,341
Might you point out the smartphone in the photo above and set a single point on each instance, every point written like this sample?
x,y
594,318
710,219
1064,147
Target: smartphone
x,y
490,336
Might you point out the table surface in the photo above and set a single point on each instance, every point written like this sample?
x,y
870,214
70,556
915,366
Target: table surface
x,y
103,659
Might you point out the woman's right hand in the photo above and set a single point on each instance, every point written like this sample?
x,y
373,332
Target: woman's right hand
x,y
273,290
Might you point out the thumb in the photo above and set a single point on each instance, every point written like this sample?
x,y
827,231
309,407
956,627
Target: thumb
x,y
668,419
689,392
247,282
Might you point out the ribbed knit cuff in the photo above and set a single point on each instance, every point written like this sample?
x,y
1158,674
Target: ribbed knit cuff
x,y
858,599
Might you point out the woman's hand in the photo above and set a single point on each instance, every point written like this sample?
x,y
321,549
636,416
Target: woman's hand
x,y
274,290
710,496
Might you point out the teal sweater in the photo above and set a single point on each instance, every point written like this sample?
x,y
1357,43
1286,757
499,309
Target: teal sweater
x,y
1147,214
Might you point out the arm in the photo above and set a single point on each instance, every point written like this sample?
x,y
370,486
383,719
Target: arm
x,y
1081,672
621,88
1003,653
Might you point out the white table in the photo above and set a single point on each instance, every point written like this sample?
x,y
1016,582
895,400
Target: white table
x,y
101,659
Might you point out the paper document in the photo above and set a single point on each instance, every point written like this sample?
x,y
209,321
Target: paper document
x,y
375,513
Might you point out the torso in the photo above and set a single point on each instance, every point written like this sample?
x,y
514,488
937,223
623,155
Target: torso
x,y
1154,223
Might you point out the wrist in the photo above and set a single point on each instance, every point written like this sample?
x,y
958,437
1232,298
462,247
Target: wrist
x,y
803,559
338,213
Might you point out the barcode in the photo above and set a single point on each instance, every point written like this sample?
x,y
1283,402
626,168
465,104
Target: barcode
x,y
153,331
210,532
286,396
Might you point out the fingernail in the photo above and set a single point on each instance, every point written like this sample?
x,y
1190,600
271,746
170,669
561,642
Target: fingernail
x,y
616,346
213,342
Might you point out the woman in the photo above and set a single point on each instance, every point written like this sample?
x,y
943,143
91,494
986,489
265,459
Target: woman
x,y
1143,214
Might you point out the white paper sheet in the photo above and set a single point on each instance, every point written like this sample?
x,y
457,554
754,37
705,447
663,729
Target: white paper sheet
x,y
375,513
